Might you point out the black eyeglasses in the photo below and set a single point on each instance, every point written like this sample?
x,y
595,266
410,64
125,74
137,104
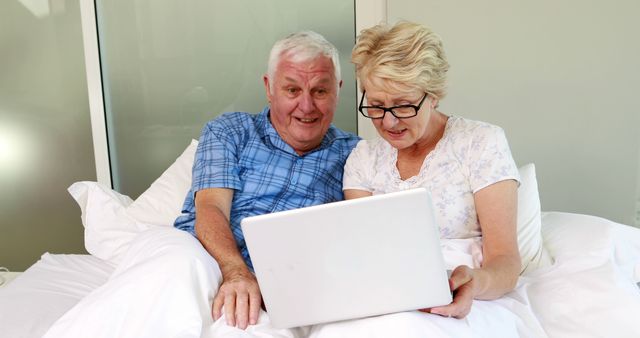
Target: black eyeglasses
x,y
402,111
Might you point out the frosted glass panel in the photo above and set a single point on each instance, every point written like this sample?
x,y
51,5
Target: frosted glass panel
x,y
170,66
562,78
45,133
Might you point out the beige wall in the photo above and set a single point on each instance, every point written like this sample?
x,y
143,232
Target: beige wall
x,y
562,78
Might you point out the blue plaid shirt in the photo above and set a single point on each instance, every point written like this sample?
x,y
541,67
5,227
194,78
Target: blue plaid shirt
x,y
244,152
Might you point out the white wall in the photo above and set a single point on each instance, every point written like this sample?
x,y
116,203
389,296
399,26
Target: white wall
x,y
562,78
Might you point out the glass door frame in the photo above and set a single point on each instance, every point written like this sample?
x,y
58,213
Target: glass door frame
x,y
95,91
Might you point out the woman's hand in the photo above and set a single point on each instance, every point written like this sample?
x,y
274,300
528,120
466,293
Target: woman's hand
x,y
496,206
461,283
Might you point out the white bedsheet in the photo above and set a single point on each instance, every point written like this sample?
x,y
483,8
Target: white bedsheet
x,y
32,302
590,291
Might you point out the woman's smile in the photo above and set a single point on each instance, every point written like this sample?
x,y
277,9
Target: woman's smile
x,y
396,133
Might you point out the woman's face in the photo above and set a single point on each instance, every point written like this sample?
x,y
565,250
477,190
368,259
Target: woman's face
x,y
400,133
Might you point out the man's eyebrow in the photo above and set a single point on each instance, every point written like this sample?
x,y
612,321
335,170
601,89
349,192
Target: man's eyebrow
x,y
322,81
325,80
289,79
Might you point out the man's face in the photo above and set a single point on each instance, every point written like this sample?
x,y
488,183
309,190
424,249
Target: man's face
x,y
303,101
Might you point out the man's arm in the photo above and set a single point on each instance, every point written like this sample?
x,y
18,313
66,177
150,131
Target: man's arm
x,y
239,292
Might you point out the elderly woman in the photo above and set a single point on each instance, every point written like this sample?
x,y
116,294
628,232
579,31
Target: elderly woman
x,y
466,165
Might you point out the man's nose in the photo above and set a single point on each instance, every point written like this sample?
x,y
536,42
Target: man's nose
x,y
306,104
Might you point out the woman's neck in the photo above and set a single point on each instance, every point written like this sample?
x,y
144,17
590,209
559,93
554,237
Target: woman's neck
x,y
410,159
423,146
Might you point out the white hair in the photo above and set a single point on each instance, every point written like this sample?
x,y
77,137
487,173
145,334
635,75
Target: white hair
x,y
302,46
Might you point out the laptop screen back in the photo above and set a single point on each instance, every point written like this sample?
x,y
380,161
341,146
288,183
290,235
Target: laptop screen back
x,y
348,259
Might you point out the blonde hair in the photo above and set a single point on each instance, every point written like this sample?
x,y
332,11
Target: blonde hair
x,y
406,54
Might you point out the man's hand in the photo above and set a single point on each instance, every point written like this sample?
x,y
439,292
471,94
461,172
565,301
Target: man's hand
x,y
239,296
461,284
239,293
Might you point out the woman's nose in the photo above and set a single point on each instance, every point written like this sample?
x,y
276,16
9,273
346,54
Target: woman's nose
x,y
388,120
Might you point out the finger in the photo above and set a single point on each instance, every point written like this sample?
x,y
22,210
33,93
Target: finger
x,y
455,307
444,311
460,276
255,302
460,306
216,308
464,300
242,309
230,309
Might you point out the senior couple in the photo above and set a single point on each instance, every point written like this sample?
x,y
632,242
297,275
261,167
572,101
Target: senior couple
x,y
244,166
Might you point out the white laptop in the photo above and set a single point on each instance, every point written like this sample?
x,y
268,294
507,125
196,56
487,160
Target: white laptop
x,y
348,259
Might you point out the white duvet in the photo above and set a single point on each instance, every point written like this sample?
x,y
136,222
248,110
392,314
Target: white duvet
x,y
590,291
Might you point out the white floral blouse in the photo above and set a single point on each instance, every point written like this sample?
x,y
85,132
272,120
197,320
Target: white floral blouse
x,y
470,156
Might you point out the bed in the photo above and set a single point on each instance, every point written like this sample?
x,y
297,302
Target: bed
x,y
581,277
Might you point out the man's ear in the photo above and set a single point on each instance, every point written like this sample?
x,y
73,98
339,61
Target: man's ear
x,y
267,90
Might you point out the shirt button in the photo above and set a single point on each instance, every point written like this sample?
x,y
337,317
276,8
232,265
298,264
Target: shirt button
x,y
294,177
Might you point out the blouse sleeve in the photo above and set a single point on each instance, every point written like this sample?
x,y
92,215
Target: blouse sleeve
x,y
490,159
357,170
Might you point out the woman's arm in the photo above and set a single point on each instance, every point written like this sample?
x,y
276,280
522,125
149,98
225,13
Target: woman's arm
x,y
350,194
496,206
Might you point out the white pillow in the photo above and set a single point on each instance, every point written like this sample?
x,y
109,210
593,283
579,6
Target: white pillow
x,y
107,227
111,220
533,254
569,236
162,202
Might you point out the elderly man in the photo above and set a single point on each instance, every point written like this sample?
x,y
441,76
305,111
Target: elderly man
x,y
289,156
173,284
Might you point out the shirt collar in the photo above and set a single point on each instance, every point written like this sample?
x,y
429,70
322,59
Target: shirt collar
x,y
269,133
